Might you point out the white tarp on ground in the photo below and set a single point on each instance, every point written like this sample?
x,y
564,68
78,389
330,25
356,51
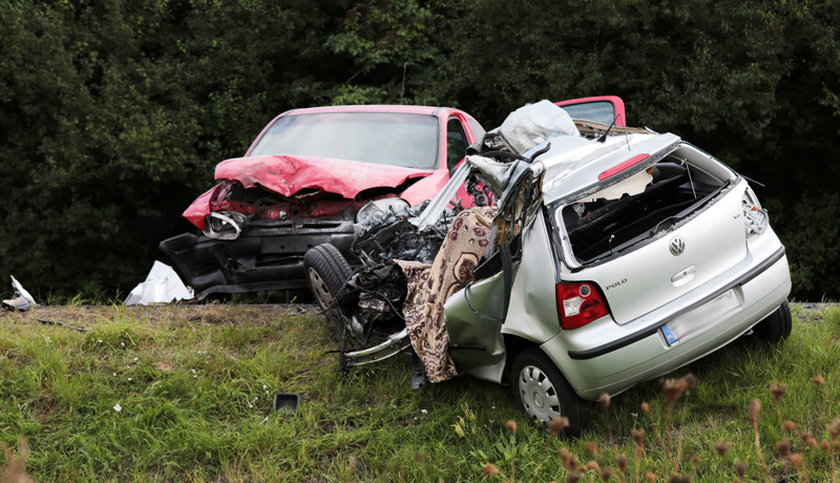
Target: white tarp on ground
x,y
22,300
162,285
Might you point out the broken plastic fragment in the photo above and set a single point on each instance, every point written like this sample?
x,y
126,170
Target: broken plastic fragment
x,y
162,285
631,186
285,402
571,306
21,299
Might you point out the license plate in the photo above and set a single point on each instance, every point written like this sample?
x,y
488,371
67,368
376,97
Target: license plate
x,y
697,320
668,334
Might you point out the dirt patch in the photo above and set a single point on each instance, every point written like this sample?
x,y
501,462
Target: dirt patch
x,y
88,316
811,311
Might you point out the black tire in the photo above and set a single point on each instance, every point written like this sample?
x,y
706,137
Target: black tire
x,y
327,271
776,326
543,392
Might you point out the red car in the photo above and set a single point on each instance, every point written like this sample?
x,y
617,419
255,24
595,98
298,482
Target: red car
x,y
302,183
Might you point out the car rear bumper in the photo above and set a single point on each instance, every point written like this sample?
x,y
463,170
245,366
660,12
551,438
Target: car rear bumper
x,y
673,335
262,258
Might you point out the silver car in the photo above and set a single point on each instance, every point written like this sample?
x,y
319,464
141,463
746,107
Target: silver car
x,y
636,253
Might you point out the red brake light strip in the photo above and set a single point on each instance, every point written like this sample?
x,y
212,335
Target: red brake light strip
x,y
624,165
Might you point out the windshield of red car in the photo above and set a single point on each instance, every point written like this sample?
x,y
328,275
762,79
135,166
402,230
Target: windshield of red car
x,y
395,139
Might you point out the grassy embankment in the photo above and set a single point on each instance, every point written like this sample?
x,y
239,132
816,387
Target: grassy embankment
x,y
183,392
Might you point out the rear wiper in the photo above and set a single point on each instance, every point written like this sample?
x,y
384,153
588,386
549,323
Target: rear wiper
x,y
690,209
676,218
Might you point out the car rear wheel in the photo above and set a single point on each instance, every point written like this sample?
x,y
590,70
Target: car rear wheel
x,y
327,271
543,392
776,326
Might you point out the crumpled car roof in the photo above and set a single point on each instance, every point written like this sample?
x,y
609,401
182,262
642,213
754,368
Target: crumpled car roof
x,y
574,163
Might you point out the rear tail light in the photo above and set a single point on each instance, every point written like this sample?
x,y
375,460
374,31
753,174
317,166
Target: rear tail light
x,y
579,303
755,217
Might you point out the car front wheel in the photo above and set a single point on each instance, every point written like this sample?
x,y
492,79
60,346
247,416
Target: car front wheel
x,y
327,271
543,392
776,326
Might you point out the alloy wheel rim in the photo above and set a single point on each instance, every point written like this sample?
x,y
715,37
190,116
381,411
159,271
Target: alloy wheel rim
x,y
319,289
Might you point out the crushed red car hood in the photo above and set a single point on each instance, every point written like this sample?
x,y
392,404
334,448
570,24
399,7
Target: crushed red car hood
x,y
286,175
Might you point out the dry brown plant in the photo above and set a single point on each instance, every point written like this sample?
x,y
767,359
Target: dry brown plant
x,y
14,470
557,425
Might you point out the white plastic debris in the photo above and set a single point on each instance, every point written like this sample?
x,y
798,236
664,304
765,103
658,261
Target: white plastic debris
x,y
21,300
630,186
535,123
162,285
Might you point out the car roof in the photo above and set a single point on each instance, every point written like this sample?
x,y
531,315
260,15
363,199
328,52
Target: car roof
x,y
576,165
395,108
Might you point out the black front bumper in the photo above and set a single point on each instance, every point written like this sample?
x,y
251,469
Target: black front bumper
x,y
266,256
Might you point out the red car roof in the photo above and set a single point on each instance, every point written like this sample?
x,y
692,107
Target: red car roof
x,y
429,110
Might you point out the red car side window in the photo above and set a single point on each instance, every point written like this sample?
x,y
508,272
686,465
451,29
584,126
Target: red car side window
x,y
456,142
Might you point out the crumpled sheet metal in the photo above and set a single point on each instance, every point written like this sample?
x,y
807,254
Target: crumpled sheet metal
x,y
21,300
162,285
287,175
506,178
536,123
435,209
573,169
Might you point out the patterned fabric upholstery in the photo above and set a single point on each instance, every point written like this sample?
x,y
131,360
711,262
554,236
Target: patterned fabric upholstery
x,y
467,241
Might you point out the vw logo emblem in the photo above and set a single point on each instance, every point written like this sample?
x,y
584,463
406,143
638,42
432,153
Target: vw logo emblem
x,y
677,245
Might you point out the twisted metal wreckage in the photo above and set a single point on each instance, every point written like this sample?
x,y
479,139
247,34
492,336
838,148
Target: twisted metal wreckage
x,y
411,260
589,258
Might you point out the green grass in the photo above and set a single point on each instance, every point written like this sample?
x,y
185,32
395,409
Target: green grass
x,y
194,385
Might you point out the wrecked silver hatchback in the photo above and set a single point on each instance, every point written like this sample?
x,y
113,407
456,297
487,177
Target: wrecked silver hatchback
x,y
596,257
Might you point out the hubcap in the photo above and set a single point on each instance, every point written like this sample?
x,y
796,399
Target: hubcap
x,y
538,394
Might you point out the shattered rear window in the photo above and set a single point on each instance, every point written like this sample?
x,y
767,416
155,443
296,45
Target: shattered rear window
x,y
395,139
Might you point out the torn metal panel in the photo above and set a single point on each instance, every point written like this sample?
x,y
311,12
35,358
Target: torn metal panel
x,y
576,171
298,177
387,349
474,318
21,300
302,183
614,260
162,285
435,209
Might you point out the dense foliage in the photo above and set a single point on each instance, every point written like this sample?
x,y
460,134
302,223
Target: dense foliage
x,y
113,114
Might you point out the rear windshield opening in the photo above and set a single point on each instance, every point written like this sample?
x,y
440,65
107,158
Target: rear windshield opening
x,y
612,220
